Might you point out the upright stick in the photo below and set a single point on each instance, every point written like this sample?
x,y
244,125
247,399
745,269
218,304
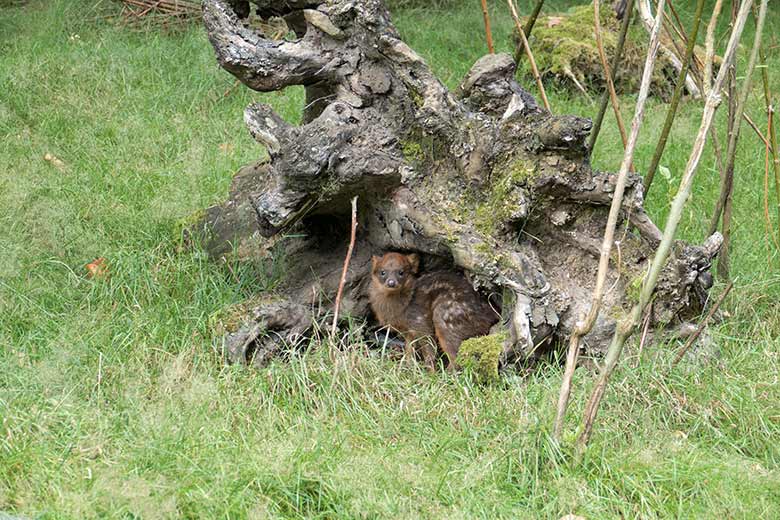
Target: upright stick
x,y
767,154
710,47
702,325
343,279
607,73
678,90
584,326
727,188
606,96
771,134
626,326
488,32
529,27
529,54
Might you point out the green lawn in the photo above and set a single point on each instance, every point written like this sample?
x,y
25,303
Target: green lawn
x,y
114,403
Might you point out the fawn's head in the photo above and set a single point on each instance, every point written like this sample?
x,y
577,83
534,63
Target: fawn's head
x,y
394,271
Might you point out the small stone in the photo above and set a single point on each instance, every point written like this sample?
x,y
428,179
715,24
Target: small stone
x,y
322,22
560,217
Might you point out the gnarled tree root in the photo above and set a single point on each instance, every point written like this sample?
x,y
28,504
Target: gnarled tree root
x,y
480,179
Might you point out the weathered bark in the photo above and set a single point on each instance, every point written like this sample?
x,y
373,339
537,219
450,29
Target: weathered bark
x,y
482,179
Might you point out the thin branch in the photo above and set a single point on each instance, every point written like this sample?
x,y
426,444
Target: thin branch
x,y
727,190
343,279
608,75
488,32
702,325
696,65
529,54
730,94
678,90
645,330
616,59
584,326
771,131
767,153
754,126
710,47
645,13
706,81
627,325
529,27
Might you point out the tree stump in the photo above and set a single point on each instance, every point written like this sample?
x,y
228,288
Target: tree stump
x,y
481,179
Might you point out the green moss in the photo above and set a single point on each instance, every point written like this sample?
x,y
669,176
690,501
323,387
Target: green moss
x,y
505,198
419,148
417,98
230,318
412,151
634,288
191,222
564,46
479,356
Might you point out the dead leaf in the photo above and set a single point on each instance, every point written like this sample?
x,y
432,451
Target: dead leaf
x,y
54,161
97,268
226,147
680,434
572,517
552,21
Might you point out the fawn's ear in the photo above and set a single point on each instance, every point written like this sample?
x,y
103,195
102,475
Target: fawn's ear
x,y
414,262
374,260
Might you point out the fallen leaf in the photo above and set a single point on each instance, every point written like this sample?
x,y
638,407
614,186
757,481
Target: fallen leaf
x,y
680,434
226,147
572,517
54,160
554,20
97,268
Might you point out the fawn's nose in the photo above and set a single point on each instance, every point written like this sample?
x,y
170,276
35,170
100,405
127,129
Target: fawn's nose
x,y
391,283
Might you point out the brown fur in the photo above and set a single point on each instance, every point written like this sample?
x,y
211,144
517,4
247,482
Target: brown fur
x,y
440,305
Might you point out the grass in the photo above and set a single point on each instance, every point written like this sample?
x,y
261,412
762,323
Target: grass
x,y
114,404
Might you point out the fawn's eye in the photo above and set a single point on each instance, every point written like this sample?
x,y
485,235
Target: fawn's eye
x,y
400,273
382,273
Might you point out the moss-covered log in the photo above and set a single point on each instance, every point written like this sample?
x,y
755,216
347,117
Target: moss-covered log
x,y
565,49
481,179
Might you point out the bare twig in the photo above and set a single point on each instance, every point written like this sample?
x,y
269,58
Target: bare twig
x,y
178,7
343,279
608,75
702,325
569,74
645,13
231,87
709,56
767,154
752,124
586,324
709,53
529,54
488,32
771,131
706,79
727,187
645,330
627,325
605,98
529,27
678,90
730,93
